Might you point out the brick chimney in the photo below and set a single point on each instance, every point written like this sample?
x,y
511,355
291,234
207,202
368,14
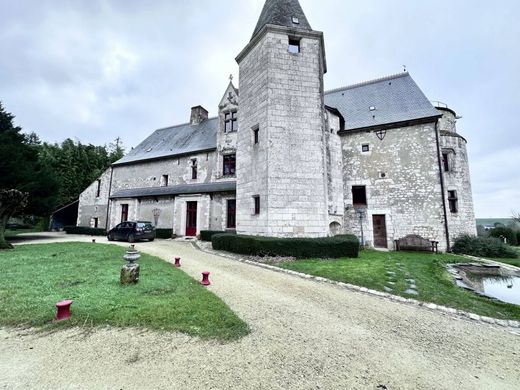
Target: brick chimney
x,y
198,114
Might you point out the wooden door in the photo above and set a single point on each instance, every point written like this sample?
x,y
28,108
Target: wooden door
x,y
379,223
191,219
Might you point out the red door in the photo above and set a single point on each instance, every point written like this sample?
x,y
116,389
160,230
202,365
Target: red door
x,y
124,212
191,219
231,213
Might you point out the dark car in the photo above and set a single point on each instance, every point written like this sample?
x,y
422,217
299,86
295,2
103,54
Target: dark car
x,y
132,231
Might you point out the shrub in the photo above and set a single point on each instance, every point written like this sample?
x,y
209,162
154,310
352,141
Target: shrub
x,y
205,235
85,230
483,247
508,233
518,238
164,233
330,247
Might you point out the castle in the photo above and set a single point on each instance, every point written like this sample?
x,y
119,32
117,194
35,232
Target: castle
x,y
285,158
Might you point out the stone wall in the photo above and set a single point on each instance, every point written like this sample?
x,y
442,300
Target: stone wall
x,y
92,206
402,180
282,94
336,205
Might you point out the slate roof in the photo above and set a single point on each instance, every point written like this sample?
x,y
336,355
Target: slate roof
x,y
203,188
176,140
394,99
281,13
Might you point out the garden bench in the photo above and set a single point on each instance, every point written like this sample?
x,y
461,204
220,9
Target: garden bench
x,y
416,243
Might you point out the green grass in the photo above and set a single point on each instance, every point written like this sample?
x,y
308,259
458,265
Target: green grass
x,y
14,232
35,277
515,262
433,282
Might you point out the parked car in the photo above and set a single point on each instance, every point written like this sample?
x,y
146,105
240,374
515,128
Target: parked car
x,y
131,231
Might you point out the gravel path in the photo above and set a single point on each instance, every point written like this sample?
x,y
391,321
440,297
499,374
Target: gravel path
x,y
305,335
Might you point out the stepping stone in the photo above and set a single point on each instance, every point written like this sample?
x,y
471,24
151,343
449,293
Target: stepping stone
x,y
388,289
411,292
411,281
412,287
390,273
391,283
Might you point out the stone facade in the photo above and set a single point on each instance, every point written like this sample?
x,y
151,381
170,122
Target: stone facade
x,y
284,158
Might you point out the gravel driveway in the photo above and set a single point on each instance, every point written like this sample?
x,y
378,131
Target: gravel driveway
x,y
305,335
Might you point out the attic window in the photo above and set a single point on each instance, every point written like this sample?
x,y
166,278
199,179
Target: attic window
x,y
294,45
295,20
372,108
230,122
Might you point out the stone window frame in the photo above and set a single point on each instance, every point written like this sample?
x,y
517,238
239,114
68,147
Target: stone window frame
x,y
294,45
256,205
256,134
230,120
98,189
225,164
453,201
447,160
365,148
165,180
354,196
194,169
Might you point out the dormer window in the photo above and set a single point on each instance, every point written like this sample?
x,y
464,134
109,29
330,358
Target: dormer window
x,y
230,122
194,169
294,45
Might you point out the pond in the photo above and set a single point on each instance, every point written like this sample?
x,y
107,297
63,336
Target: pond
x,y
490,281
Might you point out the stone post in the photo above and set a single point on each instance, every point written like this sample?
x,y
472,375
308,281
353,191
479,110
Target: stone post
x,y
130,271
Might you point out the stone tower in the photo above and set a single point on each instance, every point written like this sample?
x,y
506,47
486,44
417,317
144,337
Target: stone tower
x,y
281,178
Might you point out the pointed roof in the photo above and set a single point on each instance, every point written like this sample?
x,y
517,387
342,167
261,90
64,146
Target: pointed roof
x,y
285,13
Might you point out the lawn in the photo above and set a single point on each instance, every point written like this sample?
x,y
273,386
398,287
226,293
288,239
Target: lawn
x,y
396,270
515,262
14,232
35,277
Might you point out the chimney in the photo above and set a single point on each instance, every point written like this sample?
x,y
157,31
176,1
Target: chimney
x,y
198,114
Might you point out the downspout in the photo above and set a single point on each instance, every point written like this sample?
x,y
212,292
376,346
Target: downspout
x,y
108,202
441,174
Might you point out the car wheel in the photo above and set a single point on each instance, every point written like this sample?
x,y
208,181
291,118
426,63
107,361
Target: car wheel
x,y
151,239
110,237
131,238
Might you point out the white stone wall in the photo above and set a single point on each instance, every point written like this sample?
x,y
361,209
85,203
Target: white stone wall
x,y
282,93
409,194
161,206
218,210
92,206
203,212
336,205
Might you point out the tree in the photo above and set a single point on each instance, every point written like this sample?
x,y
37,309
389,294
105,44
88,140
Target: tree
x,y
11,202
516,216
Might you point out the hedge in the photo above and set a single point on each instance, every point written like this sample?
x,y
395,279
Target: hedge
x,y
483,247
508,233
164,233
330,247
205,235
85,230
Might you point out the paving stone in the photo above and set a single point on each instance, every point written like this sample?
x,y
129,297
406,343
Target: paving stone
x,y
411,292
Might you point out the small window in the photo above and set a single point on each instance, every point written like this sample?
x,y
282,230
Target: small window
x,y
446,162
294,45
98,190
95,222
359,195
257,204
194,168
230,122
256,132
365,148
164,181
229,165
231,213
453,201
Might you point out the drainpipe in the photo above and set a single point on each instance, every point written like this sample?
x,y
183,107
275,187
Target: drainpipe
x,y
441,174
108,202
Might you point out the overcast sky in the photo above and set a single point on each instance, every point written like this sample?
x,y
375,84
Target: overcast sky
x,y
95,70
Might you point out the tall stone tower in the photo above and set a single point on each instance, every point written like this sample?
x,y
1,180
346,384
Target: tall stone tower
x,y
281,178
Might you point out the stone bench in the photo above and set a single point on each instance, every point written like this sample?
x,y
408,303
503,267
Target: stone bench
x,y
416,243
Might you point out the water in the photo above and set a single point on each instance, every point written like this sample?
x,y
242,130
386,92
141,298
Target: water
x,y
503,288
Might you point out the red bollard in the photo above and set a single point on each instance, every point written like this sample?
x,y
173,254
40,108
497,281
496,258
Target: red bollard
x,y
63,310
178,262
93,240
205,279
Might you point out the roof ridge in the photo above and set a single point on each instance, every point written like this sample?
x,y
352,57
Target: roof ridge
x,y
368,82
183,124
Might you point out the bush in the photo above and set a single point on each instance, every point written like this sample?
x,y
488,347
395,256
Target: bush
x,y
85,230
508,233
518,238
330,247
164,233
205,235
483,247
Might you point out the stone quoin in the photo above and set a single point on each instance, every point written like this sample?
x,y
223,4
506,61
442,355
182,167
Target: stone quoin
x,y
285,158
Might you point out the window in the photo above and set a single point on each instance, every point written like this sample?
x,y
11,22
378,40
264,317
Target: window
x,y
229,165
453,201
359,195
294,45
124,212
257,204
98,191
96,222
365,148
446,162
194,168
164,182
231,213
230,122
256,131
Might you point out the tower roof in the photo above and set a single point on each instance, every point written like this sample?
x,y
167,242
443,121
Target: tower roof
x,y
285,13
